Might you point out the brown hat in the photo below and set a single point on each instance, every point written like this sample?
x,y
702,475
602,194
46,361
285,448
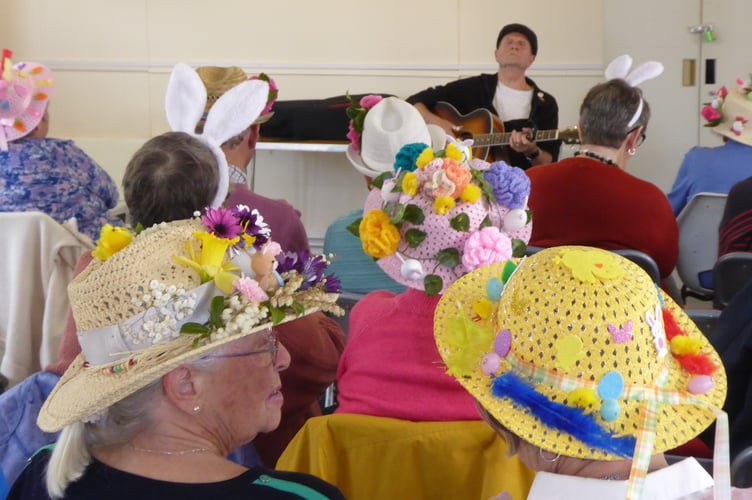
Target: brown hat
x,y
220,79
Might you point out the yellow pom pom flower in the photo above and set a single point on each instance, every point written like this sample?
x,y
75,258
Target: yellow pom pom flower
x,y
583,397
483,308
111,241
682,345
410,184
443,204
425,158
471,193
453,152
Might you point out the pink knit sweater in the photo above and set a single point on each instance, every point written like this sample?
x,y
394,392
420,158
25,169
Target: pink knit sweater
x,y
391,367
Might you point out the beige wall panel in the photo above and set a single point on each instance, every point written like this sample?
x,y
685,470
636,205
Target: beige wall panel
x,y
568,32
76,30
298,32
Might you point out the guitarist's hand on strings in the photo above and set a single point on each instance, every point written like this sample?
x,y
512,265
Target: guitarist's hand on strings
x,y
519,141
434,119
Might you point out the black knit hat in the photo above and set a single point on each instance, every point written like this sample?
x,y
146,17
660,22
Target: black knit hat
x,y
522,30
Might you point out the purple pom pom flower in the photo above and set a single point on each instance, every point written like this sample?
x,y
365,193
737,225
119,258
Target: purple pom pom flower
x,y
511,186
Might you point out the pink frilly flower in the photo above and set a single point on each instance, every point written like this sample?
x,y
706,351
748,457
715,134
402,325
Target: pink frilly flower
x,y
485,247
250,289
354,136
710,113
370,101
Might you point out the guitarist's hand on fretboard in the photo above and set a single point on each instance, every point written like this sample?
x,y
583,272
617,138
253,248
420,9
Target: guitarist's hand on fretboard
x,y
519,140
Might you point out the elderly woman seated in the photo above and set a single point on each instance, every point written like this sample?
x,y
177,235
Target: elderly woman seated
x,y
588,371
180,365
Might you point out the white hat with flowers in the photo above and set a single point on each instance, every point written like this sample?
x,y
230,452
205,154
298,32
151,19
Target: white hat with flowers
x,y
730,111
170,294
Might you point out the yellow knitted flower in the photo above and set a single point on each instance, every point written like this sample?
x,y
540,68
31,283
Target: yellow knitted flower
x,y
443,204
410,184
378,236
471,193
425,158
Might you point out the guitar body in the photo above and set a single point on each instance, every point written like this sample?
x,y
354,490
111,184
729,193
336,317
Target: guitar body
x,y
487,131
478,122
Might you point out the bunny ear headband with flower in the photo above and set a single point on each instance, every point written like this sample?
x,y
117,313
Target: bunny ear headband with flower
x,y
234,112
619,68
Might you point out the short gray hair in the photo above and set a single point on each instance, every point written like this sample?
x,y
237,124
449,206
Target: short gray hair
x,y
607,110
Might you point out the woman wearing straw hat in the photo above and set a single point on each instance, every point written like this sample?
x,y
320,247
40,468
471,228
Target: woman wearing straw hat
x,y
42,173
436,215
179,366
588,371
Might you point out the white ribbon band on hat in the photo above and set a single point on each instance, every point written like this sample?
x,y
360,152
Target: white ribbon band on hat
x,y
112,343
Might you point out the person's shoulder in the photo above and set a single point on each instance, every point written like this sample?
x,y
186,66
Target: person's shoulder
x,y
30,483
299,483
240,194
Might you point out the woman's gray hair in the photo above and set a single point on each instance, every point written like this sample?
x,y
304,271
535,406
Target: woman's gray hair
x,y
118,424
607,110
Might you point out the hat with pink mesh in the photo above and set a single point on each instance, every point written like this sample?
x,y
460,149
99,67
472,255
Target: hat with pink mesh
x,y
25,90
439,214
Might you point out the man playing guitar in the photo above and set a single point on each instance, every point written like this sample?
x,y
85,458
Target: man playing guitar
x,y
516,99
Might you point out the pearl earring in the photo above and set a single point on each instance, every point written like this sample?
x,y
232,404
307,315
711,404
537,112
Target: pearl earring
x,y
196,409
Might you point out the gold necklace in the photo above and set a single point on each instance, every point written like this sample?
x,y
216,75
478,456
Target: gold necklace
x,y
164,452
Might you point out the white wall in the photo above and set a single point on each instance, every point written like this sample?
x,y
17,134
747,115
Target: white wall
x,y
112,59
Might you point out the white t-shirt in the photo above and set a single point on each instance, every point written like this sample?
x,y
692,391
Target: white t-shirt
x,y
512,104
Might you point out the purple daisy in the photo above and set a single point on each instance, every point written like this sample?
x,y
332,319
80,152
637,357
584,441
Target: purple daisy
x,y
311,267
332,284
221,223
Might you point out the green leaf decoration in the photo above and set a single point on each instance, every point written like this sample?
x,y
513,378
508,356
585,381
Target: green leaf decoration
x,y
378,181
194,329
399,213
485,186
518,248
414,237
486,222
277,314
139,228
461,222
299,308
448,257
414,214
354,227
215,313
507,270
432,284
529,214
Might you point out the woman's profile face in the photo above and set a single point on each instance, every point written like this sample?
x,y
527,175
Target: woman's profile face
x,y
245,394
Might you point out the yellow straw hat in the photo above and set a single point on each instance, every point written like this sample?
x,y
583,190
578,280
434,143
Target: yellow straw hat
x,y
169,296
220,79
576,351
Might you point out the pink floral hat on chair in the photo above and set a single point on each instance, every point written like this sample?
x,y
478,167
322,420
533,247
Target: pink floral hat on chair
x,y
439,214
25,90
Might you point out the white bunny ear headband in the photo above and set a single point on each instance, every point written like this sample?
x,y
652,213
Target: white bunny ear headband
x,y
234,112
619,68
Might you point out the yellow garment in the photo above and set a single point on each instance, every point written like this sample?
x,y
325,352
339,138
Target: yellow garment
x,y
375,457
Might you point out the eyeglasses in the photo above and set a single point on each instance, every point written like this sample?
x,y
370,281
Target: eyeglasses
x,y
642,136
272,347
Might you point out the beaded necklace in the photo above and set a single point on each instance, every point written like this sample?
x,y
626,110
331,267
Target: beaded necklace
x,y
596,156
163,452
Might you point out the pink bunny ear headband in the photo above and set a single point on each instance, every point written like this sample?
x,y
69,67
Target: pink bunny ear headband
x,y
619,68
234,112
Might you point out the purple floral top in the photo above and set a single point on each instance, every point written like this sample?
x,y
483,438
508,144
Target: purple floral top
x,y
54,176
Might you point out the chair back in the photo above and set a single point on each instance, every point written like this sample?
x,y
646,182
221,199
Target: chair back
x,y
741,469
37,260
698,243
436,460
705,319
731,273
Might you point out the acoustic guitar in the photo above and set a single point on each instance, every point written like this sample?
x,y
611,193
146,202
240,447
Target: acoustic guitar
x,y
487,130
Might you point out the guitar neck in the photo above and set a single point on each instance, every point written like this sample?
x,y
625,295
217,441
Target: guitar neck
x,y
502,138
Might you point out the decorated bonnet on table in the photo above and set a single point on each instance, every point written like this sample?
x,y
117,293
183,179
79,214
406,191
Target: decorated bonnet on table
x,y
172,293
576,351
437,214
730,111
25,90
231,114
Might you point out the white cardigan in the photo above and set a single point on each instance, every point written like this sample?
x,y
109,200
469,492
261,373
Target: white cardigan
x,y
37,258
